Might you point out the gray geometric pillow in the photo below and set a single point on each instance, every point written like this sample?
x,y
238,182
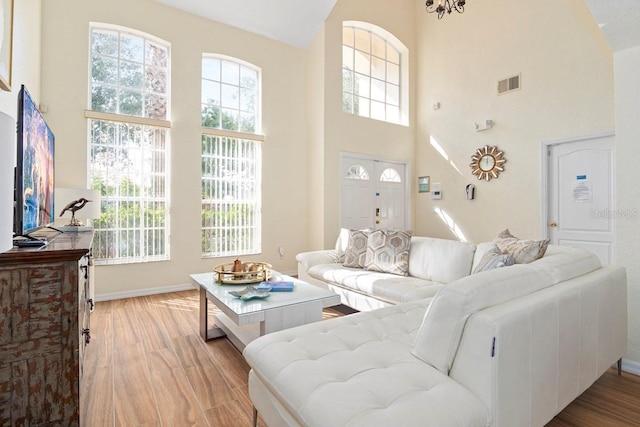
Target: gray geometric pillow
x,y
356,251
388,251
523,251
493,258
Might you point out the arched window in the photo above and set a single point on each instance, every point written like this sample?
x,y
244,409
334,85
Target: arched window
x,y
390,175
129,131
357,172
374,73
231,157
230,94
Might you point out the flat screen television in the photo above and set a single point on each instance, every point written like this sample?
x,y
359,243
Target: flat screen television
x,y
34,184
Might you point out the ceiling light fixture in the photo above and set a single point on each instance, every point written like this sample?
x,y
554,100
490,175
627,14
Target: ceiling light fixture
x,y
445,6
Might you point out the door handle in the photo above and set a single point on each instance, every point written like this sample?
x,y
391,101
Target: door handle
x,y
553,224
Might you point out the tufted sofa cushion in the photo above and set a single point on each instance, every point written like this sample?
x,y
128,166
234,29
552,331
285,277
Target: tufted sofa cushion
x,y
387,287
361,368
438,338
440,260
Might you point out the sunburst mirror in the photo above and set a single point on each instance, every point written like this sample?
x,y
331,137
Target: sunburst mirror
x,y
487,162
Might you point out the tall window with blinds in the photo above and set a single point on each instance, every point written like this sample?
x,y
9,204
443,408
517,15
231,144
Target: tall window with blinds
x,y
129,144
231,157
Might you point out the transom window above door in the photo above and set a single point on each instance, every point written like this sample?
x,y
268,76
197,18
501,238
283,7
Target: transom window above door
x,y
357,172
390,175
374,73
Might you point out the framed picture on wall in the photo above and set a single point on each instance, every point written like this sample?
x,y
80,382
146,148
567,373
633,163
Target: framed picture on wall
x,y
6,43
423,184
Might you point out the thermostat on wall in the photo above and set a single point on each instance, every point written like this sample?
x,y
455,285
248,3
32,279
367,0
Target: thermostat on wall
x,y
436,191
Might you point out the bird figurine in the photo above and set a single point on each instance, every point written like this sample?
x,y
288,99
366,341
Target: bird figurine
x,y
74,206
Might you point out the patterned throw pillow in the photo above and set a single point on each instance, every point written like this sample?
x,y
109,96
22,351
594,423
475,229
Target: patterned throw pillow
x,y
493,258
356,251
388,251
523,251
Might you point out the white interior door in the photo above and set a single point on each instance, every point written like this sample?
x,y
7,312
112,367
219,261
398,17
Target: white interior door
x,y
356,204
389,195
581,195
372,194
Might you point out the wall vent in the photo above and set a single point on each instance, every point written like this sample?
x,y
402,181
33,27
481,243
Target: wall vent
x,y
509,84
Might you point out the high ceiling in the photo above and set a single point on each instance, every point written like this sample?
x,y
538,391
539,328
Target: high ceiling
x,y
294,22
619,21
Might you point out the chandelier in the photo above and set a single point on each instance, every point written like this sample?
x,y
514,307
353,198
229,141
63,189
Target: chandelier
x,y
445,6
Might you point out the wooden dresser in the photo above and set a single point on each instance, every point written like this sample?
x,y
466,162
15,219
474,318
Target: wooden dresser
x,y
44,329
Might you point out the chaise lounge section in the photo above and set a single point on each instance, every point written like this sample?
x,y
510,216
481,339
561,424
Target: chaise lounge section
x,y
506,347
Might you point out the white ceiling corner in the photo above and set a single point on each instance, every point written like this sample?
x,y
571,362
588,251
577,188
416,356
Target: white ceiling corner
x,y
293,22
619,20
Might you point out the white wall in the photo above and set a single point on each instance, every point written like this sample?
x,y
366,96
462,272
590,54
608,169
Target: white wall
x,y
64,89
316,120
26,70
567,90
627,90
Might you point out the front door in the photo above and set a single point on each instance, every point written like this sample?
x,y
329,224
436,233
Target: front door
x,y
581,211
373,193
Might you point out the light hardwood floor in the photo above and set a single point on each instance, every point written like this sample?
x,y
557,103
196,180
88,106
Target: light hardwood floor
x,y
146,365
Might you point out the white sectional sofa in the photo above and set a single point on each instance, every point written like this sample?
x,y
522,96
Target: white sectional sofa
x,y
507,347
432,263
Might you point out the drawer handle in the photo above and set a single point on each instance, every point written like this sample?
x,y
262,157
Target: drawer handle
x,y
87,335
91,304
86,271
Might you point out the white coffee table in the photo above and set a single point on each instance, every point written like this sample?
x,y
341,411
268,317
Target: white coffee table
x,y
243,321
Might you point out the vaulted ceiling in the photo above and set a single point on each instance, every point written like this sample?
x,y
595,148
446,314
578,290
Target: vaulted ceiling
x,y
296,22
619,21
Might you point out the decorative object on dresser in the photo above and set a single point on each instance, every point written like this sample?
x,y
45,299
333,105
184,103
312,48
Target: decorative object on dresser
x,y
44,329
7,159
85,202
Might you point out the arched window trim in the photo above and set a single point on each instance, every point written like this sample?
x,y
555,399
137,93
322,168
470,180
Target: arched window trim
x,y
390,175
357,172
257,135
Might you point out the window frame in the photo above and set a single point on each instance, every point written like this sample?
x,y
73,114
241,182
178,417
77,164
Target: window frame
x,y
403,73
118,118
257,138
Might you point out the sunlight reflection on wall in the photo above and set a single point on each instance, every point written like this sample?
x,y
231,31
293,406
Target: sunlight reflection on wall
x,y
449,222
443,153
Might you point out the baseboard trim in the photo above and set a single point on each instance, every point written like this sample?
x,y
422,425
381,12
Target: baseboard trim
x,y
631,366
153,291
142,292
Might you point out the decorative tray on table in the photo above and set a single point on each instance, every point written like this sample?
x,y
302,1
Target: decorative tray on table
x,y
250,292
241,273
